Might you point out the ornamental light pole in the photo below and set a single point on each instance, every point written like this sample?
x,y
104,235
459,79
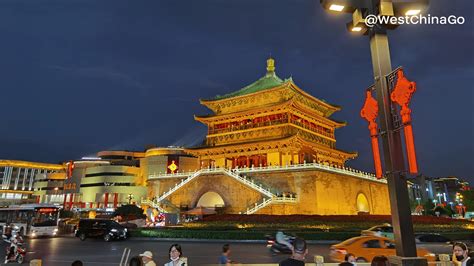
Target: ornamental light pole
x,y
391,139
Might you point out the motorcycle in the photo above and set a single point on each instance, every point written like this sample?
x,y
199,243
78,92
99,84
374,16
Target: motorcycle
x,y
277,247
15,252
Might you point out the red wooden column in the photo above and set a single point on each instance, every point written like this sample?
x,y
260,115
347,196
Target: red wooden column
x,y
115,200
106,199
65,199
71,200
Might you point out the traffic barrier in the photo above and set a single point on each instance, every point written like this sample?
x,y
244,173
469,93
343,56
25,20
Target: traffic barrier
x,y
35,262
125,256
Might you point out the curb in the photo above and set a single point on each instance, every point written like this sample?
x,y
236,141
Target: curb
x,y
324,242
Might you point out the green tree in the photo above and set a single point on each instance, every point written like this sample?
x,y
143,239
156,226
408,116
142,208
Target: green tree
x,y
442,211
129,212
428,206
468,199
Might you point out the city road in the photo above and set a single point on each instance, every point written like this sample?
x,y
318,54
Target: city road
x,y
61,251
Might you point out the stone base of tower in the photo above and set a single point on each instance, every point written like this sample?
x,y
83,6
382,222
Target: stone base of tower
x,y
313,192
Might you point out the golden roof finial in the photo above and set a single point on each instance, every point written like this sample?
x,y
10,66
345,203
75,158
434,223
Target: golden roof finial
x,y
270,65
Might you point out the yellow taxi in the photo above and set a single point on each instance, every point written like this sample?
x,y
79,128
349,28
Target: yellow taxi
x,y
365,248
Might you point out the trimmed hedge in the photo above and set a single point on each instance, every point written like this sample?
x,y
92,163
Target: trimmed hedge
x,y
311,227
258,235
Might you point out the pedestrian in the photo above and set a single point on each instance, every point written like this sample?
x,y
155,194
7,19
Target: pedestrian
x,y
379,261
299,252
77,263
176,254
460,255
135,261
224,258
147,258
351,258
346,263
7,230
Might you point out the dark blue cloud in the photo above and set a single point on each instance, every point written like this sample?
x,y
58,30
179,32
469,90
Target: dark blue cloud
x,y
82,76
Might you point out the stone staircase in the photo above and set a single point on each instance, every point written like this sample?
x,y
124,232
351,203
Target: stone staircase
x,y
268,193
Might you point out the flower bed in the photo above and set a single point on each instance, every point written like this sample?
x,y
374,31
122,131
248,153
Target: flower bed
x,y
311,227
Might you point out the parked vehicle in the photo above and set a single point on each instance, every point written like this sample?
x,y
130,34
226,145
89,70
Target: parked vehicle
x,y
437,243
383,230
432,238
106,229
367,247
469,216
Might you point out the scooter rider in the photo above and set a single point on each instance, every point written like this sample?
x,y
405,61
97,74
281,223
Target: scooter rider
x,y
7,230
283,239
14,241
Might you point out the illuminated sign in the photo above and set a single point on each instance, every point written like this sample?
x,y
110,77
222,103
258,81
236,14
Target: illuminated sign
x,y
47,210
173,167
70,186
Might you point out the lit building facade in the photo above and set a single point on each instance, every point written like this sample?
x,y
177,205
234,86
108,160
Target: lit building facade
x,y
111,180
49,187
17,180
441,190
270,149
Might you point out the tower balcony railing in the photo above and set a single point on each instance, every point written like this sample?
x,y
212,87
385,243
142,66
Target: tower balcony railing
x,y
270,123
247,126
312,166
314,129
304,166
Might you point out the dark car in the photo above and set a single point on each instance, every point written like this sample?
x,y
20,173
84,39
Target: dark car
x,y
432,238
106,229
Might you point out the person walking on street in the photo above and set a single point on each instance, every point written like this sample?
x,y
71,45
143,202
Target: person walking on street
x,y
175,254
224,258
460,255
147,258
299,252
351,258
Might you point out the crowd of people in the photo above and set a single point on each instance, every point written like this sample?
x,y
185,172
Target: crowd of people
x,y
460,257
299,252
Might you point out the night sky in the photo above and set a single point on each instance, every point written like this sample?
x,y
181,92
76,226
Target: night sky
x,y
78,77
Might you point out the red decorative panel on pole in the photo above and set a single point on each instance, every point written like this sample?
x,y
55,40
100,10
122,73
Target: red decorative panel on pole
x,y
106,199
369,112
65,199
71,200
401,95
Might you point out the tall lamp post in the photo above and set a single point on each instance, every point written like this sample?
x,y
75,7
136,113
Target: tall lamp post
x,y
391,139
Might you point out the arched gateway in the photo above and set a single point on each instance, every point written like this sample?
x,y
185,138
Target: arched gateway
x,y
210,200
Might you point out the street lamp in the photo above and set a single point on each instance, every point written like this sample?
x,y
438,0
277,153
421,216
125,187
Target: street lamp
x,y
391,139
130,197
